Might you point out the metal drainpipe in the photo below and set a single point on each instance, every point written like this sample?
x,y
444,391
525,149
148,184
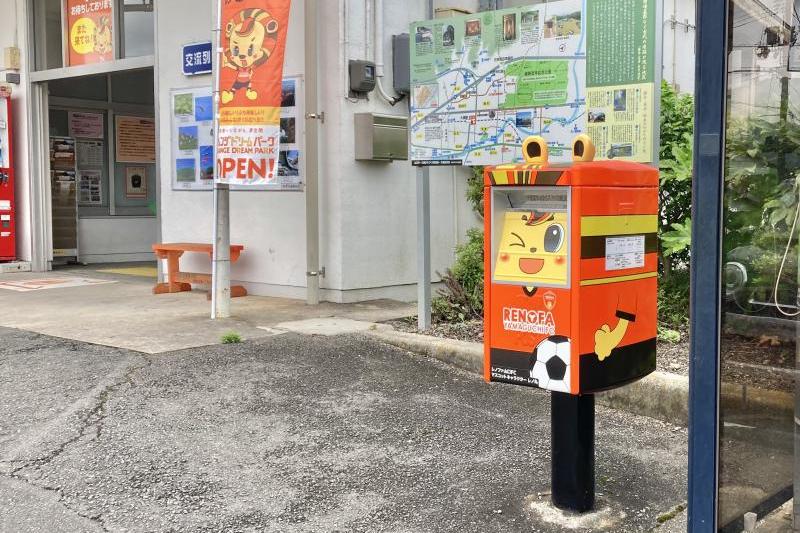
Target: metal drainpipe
x,y
313,119
674,44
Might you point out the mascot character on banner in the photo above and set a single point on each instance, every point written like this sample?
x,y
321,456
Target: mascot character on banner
x,y
253,43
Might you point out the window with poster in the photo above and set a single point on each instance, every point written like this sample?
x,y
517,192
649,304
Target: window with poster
x,y
70,33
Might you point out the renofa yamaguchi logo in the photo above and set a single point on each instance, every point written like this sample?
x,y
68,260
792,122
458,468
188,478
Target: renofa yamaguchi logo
x,y
528,321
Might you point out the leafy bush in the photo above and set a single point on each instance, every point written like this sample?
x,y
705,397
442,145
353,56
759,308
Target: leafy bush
x,y
462,296
475,190
668,335
673,300
762,182
675,193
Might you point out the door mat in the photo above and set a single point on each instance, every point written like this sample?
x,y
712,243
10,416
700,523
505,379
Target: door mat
x,y
29,285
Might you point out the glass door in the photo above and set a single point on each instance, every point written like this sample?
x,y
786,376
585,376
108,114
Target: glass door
x,y
759,295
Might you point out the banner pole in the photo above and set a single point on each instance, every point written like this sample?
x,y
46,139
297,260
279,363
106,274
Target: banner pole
x,y
424,237
221,266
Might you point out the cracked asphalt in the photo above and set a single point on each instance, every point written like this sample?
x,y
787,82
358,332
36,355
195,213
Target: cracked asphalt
x,y
294,433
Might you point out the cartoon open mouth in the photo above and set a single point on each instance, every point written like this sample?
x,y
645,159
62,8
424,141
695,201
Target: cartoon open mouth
x,y
531,266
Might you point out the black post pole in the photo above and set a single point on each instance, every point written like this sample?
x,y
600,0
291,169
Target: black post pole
x,y
572,451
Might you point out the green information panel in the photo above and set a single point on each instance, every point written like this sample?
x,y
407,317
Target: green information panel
x,y
621,38
482,83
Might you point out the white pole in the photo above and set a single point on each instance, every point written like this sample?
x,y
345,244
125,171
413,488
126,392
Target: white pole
x,y
313,119
221,250
424,238
423,249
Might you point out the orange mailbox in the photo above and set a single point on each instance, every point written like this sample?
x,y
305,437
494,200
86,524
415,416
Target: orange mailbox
x,y
570,272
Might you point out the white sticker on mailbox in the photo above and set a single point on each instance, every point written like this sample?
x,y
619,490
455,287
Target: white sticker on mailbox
x,y
5,205
624,252
5,217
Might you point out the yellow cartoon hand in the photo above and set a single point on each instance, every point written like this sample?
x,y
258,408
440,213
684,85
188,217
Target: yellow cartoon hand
x,y
606,339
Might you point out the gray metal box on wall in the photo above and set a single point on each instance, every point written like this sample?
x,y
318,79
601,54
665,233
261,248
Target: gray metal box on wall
x,y
401,63
381,137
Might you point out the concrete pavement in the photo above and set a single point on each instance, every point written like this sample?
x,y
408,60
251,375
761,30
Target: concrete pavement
x,y
295,433
126,314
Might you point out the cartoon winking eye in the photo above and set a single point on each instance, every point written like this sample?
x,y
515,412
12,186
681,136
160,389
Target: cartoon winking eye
x,y
532,249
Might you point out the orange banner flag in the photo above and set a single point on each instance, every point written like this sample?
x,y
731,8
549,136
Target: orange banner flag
x,y
253,44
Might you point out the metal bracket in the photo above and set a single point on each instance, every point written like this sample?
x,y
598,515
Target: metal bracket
x,y
319,116
321,273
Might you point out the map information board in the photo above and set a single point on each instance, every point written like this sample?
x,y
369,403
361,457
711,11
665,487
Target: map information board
x,y
482,83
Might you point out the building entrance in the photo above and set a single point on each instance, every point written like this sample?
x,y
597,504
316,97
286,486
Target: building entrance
x,y
102,160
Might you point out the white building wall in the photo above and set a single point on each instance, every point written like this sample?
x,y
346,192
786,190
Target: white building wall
x,y
270,225
116,239
378,200
679,44
13,32
367,210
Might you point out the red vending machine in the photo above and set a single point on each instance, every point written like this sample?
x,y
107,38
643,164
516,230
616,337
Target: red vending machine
x,y
7,208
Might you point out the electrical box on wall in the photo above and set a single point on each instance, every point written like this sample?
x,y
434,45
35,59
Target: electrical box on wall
x,y
11,58
401,63
381,137
362,76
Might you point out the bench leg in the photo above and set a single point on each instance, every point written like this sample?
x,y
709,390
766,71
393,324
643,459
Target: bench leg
x,y
167,288
237,291
173,267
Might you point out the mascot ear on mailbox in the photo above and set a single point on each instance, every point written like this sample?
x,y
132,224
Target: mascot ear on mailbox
x,y
535,151
583,149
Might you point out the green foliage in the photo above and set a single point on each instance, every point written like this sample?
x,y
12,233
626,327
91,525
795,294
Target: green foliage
x,y
762,181
671,336
231,337
675,193
462,296
475,190
673,300
678,239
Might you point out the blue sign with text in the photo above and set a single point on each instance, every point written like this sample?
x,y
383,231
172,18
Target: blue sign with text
x,y
197,59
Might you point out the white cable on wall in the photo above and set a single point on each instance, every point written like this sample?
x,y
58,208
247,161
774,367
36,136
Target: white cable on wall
x,y
783,264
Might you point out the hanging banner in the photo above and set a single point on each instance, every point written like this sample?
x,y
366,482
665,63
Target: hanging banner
x,y
253,42
89,36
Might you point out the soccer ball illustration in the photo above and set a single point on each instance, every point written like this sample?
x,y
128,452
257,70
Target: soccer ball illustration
x,y
550,363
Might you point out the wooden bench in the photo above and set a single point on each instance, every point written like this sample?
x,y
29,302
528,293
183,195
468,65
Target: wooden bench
x,y
182,281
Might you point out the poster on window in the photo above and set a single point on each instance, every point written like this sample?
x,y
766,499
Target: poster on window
x,y
193,160
90,31
252,45
135,183
86,125
90,187
91,154
136,140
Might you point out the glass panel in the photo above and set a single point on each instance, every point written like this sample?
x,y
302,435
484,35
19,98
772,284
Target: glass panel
x,y
760,289
47,33
133,87
138,28
84,88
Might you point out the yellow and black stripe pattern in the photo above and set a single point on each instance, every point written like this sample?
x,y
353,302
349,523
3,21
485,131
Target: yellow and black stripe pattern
x,y
524,175
595,230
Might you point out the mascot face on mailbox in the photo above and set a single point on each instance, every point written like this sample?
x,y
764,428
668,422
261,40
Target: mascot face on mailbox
x,y
533,249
